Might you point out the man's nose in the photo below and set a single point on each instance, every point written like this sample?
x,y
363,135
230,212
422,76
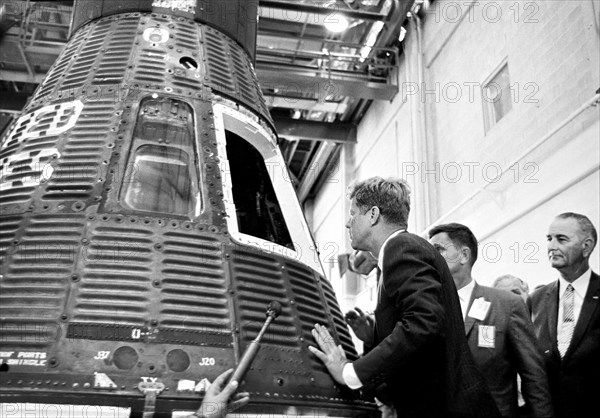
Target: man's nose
x,y
347,224
552,244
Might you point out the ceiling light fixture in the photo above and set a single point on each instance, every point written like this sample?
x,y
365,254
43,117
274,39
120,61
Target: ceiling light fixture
x,y
335,21
336,24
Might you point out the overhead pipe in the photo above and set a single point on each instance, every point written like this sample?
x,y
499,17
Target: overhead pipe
x,y
421,144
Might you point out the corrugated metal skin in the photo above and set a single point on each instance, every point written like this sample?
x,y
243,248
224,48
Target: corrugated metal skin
x,y
151,67
230,71
115,286
82,274
260,279
193,291
78,172
8,232
60,67
35,282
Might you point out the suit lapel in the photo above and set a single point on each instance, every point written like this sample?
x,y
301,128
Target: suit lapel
x,y
470,321
590,304
551,304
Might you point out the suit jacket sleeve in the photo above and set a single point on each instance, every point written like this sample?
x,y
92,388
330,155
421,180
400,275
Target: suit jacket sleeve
x,y
414,286
529,362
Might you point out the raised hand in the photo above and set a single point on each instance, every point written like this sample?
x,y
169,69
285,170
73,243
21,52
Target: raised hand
x,y
217,402
362,324
362,262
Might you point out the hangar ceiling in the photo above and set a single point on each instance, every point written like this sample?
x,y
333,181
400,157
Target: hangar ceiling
x,y
317,83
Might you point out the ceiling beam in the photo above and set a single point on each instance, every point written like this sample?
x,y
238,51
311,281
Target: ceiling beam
x,y
320,8
305,104
315,131
322,86
291,28
21,76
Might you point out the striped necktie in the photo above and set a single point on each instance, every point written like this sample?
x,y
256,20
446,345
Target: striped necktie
x,y
568,321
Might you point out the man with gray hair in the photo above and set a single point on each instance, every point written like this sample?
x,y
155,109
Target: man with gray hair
x,y
416,358
513,284
520,288
566,317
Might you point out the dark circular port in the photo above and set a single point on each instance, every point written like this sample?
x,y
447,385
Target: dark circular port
x,y
178,360
125,357
188,63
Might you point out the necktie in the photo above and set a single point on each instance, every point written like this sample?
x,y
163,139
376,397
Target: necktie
x,y
568,324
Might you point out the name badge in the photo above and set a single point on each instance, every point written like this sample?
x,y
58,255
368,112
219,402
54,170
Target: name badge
x,y
479,309
486,336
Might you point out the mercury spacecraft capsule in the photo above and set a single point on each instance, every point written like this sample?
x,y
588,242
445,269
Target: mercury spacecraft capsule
x,y
148,220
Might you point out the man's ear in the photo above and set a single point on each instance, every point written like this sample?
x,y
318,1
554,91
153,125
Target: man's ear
x,y
465,255
374,215
588,246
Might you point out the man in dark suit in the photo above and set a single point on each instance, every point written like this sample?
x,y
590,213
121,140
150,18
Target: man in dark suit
x,y
566,317
498,328
417,361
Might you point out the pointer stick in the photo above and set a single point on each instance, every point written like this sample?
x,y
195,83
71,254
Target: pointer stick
x,y
273,311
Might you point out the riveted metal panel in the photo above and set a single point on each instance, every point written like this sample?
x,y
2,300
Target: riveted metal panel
x,y
230,71
193,283
35,283
258,279
59,69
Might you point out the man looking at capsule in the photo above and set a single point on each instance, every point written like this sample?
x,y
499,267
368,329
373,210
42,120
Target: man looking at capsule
x,y
418,362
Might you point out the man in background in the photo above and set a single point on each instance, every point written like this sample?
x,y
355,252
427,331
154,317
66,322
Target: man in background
x,y
512,284
566,316
498,328
519,287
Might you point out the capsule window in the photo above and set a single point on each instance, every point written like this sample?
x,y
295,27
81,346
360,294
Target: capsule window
x,y
161,173
257,209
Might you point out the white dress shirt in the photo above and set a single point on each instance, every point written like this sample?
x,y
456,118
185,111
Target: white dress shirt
x,y
348,372
464,296
580,287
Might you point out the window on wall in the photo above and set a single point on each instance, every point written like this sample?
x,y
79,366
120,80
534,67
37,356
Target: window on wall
x,y
257,209
496,97
161,174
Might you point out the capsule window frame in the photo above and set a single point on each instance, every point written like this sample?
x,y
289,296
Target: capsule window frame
x,y
193,168
227,118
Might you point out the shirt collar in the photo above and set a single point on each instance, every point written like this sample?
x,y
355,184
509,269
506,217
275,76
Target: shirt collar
x,y
380,258
464,293
580,284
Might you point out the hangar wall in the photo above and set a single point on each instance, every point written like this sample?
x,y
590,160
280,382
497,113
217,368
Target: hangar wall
x,y
506,180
